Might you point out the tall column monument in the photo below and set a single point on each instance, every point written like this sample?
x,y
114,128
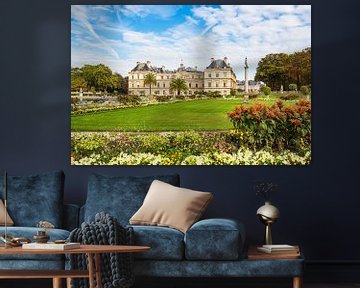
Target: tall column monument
x,y
246,77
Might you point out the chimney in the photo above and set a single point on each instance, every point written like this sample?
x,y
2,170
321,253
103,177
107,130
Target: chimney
x,y
212,59
148,63
226,60
137,63
195,67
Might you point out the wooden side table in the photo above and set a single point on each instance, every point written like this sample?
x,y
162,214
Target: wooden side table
x,y
254,254
93,251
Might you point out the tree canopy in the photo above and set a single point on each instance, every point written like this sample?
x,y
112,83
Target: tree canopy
x,y
178,85
283,69
97,77
150,79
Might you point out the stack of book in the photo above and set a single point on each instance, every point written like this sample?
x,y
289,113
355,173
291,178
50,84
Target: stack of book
x,y
273,252
51,246
279,249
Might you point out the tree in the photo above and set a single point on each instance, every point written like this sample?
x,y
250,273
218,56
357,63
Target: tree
x,y
292,87
149,79
77,79
266,90
284,69
178,85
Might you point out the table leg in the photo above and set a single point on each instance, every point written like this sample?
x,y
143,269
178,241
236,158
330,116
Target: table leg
x,y
68,282
57,283
297,282
98,270
91,270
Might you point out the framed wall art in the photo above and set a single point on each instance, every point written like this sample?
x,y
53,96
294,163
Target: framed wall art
x,y
191,85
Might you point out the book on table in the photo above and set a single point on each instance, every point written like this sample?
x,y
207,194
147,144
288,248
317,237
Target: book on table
x,y
51,246
278,249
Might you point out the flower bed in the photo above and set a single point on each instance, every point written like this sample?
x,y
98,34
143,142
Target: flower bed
x,y
175,148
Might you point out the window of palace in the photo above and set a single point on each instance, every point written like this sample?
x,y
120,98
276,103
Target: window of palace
x,y
209,74
225,74
132,76
224,84
162,77
217,84
217,74
164,92
189,85
209,84
158,84
132,85
164,85
196,85
168,77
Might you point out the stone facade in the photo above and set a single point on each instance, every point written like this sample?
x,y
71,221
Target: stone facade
x,y
218,76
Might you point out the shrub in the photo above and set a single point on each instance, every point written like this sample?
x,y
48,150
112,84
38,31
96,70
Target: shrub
x,y
266,90
290,96
275,128
292,87
305,90
163,98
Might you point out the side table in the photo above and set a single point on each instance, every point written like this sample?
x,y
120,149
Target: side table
x,y
255,255
93,251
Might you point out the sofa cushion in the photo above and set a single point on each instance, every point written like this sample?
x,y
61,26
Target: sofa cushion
x,y
170,206
35,198
165,243
214,239
9,221
29,232
120,196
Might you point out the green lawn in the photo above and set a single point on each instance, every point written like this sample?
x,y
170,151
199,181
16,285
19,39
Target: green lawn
x,y
210,114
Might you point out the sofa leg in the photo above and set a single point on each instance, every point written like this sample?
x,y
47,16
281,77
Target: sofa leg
x,y
57,283
297,282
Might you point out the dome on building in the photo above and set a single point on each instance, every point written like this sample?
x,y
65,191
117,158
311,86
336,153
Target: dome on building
x,y
219,63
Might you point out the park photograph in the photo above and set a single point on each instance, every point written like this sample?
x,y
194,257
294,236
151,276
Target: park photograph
x,y
190,85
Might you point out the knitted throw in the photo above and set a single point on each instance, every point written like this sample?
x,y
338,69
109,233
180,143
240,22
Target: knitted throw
x,y
116,268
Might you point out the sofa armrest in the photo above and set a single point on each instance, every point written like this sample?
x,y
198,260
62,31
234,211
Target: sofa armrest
x,y
215,239
71,216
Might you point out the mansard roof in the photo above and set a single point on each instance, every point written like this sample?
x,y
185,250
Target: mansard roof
x,y
143,67
147,67
219,63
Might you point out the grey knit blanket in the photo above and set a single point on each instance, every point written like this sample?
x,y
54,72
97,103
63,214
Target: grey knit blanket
x,y
116,268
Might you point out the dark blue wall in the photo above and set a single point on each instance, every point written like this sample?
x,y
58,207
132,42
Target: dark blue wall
x,y
318,203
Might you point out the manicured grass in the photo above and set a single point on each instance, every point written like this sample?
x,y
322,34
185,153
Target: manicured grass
x,y
210,114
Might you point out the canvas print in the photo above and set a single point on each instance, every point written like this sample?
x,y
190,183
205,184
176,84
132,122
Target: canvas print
x,y
190,84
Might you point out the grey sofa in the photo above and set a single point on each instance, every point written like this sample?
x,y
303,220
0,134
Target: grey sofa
x,y
32,199
210,248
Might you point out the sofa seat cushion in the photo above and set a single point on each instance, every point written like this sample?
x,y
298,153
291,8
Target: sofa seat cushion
x,y
120,196
166,243
29,232
214,239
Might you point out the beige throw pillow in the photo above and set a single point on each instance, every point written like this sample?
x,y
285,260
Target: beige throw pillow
x,y
9,221
170,206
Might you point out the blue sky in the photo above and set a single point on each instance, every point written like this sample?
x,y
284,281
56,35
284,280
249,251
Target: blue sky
x,y
121,35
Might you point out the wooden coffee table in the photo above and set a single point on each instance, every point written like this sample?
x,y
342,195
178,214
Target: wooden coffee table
x,y
92,251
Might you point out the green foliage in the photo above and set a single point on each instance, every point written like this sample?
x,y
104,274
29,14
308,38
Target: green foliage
x,y
163,98
132,100
172,148
266,90
292,87
233,92
290,96
282,69
275,127
178,85
305,90
150,79
97,78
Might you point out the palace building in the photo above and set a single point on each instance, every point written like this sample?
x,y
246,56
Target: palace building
x,y
218,76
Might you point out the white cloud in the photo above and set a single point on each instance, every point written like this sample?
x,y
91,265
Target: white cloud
x,y
232,31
